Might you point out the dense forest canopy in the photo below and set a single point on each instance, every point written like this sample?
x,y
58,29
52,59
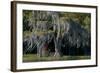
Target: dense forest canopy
x,y
84,19
63,29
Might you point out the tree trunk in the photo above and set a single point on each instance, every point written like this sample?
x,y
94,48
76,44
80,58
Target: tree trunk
x,y
39,54
57,43
45,50
57,39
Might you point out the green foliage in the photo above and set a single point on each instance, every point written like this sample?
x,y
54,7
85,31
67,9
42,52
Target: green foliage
x,y
84,19
27,15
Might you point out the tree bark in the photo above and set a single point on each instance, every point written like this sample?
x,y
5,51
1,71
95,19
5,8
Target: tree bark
x,y
57,39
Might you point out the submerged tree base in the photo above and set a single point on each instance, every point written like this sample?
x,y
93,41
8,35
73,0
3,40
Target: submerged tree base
x,y
35,58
